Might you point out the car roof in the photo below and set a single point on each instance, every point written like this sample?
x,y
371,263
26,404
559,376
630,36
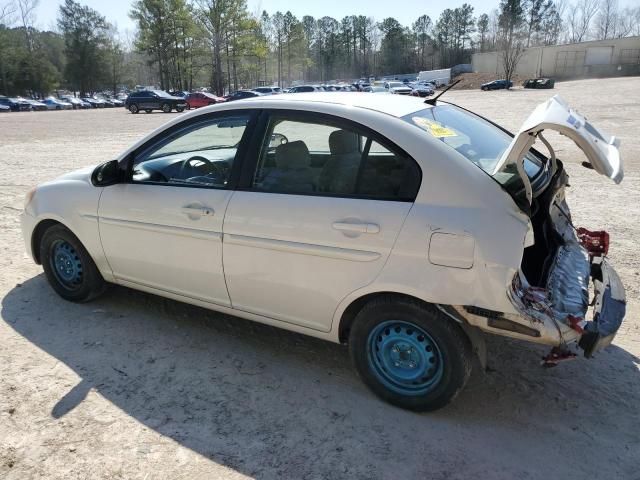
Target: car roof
x,y
394,105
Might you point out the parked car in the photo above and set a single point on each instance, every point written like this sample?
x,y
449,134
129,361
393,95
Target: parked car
x,y
53,103
202,99
421,90
149,100
35,104
403,229
15,104
4,108
106,101
94,102
242,94
76,103
496,85
114,101
539,83
375,89
268,90
305,89
397,88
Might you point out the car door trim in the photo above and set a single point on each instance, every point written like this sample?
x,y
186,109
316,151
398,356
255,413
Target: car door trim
x,y
154,227
302,248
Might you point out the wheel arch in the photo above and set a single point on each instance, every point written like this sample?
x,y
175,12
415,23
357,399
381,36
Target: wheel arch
x,y
349,314
38,232
474,334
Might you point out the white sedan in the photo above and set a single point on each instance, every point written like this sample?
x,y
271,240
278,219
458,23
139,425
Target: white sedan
x,y
56,104
404,228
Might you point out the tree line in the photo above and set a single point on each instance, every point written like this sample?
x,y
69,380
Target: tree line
x,y
187,44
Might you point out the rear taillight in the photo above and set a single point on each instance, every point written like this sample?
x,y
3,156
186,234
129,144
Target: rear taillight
x,y
596,243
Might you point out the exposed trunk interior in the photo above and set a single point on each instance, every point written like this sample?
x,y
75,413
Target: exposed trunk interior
x,y
538,258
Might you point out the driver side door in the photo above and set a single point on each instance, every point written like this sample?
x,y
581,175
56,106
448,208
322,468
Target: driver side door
x,y
162,228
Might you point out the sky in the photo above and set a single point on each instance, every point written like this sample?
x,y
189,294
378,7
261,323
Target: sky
x,y
117,11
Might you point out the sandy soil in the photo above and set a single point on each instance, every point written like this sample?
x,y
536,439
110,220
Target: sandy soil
x,y
137,387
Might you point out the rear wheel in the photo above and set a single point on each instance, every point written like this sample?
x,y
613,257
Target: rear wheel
x,y
166,108
179,109
409,354
68,266
133,108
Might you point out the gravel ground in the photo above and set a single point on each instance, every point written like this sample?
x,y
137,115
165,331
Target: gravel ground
x,y
137,387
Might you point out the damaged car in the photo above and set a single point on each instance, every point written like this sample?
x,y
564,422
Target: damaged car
x,y
407,230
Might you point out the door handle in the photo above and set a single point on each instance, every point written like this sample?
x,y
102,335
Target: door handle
x,y
197,210
357,227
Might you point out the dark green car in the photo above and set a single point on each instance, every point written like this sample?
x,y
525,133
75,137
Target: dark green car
x,y
149,100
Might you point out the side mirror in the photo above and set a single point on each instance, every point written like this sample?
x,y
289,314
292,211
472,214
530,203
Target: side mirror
x,y
277,139
106,174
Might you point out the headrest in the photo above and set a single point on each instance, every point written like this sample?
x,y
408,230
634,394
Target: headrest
x,y
293,155
342,142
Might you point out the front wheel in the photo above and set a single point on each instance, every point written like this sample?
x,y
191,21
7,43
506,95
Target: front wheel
x,y
166,108
133,108
68,266
409,354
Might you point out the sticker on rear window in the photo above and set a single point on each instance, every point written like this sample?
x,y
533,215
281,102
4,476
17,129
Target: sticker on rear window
x,y
434,128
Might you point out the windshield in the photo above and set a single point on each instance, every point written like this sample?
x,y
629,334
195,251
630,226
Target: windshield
x,y
476,139
161,93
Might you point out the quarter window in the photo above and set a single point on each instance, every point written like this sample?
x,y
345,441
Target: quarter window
x,y
320,157
202,154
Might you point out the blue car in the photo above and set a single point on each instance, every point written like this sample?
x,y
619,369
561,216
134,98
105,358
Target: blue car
x,y
15,104
496,85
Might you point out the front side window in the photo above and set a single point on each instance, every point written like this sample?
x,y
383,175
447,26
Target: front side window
x,y
318,157
201,154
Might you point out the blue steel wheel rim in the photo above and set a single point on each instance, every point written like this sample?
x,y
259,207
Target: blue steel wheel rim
x,y
66,264
405,358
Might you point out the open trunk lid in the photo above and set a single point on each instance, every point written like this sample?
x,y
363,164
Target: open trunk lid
x,y
600,149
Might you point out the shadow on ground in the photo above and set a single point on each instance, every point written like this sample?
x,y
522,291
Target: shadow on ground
x,y
269,403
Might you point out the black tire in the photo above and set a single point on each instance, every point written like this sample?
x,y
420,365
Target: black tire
x,y
86,285
179,109
133,108
166,108
188,107
448,341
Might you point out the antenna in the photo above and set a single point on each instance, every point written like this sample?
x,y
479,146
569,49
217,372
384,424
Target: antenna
x,y
432,101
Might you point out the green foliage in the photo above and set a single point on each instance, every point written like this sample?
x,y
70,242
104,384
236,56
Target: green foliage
x,y
86,44
29,72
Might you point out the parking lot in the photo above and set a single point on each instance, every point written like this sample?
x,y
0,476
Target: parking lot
x,y
134,386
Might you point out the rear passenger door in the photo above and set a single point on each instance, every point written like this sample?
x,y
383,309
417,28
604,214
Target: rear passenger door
x,y
315,217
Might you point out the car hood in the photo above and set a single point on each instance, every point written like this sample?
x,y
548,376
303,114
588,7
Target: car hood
x,y
82,174
600,149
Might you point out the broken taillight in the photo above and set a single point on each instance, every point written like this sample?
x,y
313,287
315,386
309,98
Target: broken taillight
x,y
596,243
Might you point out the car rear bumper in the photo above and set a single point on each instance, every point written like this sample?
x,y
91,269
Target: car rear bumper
x,y
609,308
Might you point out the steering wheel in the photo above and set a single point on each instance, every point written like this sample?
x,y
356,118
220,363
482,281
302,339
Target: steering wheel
x,y
214,168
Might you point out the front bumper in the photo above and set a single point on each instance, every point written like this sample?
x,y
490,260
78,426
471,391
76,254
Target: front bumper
x,y
609,308
27,225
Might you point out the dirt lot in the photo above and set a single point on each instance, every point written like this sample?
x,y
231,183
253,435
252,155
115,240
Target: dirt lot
x,y
136,387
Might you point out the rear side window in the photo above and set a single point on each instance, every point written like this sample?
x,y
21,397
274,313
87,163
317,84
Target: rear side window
x,y
319,157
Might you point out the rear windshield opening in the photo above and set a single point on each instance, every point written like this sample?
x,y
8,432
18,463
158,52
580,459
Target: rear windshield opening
x,y
477,140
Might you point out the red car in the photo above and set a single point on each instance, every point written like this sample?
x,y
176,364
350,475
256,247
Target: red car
x,y
202,99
